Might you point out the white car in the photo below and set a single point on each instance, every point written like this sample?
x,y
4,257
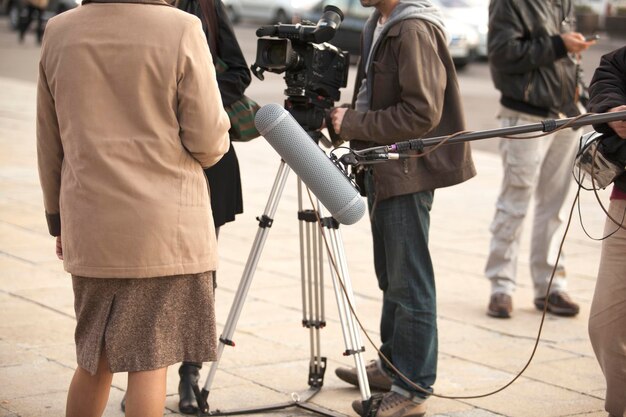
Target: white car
x,y
262,11
464,42
472,13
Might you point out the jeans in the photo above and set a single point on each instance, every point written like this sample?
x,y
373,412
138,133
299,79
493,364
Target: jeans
x,y
539,168
408,324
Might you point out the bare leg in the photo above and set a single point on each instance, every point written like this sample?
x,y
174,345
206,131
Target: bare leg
x,y
88,394
146,393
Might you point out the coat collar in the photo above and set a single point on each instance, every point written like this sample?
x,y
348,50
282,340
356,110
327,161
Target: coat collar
x,y
157,2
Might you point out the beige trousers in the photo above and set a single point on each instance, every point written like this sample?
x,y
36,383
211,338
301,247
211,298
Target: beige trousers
x,y
607,320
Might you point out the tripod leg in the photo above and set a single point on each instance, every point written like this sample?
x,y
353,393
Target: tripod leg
x,y
345,299
265,222
311,272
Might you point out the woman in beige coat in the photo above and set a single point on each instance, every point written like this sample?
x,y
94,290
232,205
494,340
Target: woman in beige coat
x,y
128,114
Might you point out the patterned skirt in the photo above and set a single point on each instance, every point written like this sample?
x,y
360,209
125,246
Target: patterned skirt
x,y
144,324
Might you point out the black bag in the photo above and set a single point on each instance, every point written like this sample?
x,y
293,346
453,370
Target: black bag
x,y
613,148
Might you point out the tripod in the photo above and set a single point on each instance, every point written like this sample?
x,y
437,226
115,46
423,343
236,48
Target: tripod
x,y
312,244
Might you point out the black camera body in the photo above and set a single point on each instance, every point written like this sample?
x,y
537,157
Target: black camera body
x,y
314,70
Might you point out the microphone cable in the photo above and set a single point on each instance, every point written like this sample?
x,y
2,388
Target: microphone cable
x,y
396,370
387,361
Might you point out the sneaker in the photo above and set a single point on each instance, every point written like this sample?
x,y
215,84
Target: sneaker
x,y
393,404
559,304
378,380
500,305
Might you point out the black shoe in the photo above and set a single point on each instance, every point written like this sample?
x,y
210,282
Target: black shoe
x,y
559,304
500,306
189,376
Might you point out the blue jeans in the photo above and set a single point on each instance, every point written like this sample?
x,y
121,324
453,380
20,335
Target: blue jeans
x,y
408,324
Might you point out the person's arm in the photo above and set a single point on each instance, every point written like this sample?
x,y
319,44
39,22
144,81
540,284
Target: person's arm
x,y
49,153
607,91
422,82
232,83
203,122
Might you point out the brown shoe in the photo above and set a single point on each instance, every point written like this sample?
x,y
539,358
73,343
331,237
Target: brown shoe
x,y
559,304
378,380
500,306
394,405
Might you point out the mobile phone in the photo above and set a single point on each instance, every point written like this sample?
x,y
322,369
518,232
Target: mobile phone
x,y
591,38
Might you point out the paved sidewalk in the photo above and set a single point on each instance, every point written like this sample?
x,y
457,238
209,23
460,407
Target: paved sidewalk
x,y
478,354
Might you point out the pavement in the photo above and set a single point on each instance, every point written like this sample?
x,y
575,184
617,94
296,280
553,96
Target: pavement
x,y
477,354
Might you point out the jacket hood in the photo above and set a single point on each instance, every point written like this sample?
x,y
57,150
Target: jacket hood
x,y
406,9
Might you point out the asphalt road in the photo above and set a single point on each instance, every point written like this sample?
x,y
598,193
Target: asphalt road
x,y
480,99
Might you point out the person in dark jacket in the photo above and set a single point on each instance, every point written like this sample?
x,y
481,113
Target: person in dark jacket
x,y
224,177
531,46
406,88
607,319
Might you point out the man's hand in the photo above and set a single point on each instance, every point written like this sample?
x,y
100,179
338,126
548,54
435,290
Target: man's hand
x,y
575,42
619,126
336,116
59,248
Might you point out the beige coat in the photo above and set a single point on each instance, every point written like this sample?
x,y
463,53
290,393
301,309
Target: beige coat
x,y
128,113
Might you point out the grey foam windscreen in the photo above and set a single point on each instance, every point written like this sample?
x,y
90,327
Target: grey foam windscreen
x,y
310,163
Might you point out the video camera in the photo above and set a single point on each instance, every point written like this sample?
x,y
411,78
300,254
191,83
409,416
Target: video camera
x,y
314,70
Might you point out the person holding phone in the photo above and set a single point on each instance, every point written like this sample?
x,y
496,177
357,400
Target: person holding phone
x,y
531,47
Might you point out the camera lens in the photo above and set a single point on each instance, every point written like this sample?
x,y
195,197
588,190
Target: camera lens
x,y
275,54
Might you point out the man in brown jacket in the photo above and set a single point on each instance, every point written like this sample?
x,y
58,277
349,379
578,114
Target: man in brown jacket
x,y
406,88
128,114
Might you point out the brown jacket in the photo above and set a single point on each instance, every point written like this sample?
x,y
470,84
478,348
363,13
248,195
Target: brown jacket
x,y
128,113
413,93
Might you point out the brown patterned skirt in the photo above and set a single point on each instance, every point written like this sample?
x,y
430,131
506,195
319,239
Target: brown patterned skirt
x,y
144,324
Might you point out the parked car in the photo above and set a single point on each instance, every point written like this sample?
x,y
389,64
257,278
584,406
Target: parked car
x,y
12,9
464,40
262,11
472,13
601,8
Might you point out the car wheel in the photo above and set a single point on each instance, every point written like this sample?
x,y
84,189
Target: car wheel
x,y
460,63
281,16
14,16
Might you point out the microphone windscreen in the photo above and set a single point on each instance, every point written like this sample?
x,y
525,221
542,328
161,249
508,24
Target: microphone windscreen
x,y
310,163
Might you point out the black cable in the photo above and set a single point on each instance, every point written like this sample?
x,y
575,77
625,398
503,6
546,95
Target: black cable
x,y
545,308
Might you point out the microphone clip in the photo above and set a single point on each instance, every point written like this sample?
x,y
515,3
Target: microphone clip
x,y
355,158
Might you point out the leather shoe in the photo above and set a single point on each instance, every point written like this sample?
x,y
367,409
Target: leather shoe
x,y
378,379
189,376
559,304
393,404
500,306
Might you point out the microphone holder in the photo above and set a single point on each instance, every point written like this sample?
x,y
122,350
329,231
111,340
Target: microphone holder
x,y
388,152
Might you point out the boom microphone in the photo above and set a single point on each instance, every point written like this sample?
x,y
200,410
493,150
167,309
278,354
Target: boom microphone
x,y
310,163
